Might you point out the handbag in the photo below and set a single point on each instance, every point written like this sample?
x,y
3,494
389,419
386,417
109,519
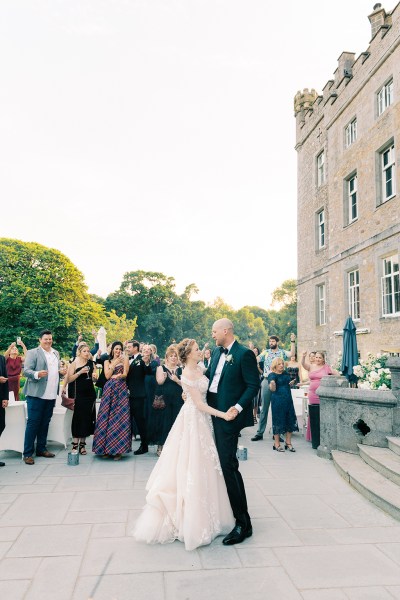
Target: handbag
x,y
68,402
158,402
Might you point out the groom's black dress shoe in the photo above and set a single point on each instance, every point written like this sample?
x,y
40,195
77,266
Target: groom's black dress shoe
x,y
141,450
237,535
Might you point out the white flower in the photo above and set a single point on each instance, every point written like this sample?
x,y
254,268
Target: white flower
x,y
378,366
383,387
364,385
229,358
378,355
373,376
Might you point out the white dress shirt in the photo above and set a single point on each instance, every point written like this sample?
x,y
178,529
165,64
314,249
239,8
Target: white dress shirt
x,y
217,375
50,393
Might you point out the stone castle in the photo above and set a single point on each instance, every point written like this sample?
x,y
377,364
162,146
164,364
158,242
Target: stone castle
x,y
348,142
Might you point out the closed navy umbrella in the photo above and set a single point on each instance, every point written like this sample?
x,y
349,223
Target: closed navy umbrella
x,y
350,352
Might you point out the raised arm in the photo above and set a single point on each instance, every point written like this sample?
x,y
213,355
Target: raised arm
x,y
7,352
304,363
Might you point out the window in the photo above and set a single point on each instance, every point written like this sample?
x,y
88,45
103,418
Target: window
x,y
321,169
385,97
388,181
352,202
391,286
321,229
354,294
350,133
321,317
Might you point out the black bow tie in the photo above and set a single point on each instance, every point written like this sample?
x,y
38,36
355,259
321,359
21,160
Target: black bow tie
x,y
223,350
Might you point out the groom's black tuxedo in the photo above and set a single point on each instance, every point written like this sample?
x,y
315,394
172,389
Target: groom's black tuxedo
x,y
238,384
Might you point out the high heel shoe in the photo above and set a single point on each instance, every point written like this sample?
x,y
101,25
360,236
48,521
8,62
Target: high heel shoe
x,y
278,448
289,447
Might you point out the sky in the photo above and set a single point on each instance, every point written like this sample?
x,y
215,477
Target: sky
x,y
159,134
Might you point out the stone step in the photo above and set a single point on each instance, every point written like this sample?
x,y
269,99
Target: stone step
x,y
371,484
394,444
383,460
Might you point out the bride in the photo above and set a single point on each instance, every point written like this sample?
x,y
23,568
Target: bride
x,y
187,498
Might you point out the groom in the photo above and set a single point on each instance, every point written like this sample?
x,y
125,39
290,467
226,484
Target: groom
x,y
234,382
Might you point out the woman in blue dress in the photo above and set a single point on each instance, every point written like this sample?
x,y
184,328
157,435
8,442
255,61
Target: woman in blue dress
x,y
284,420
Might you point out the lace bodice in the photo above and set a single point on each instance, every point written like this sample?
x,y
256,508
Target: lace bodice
x,y
200,384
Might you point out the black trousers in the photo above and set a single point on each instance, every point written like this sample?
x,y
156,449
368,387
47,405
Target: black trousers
x,y
226,442
313,411
137,413
2,418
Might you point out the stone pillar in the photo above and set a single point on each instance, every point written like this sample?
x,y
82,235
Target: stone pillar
x,y
328,414
393,363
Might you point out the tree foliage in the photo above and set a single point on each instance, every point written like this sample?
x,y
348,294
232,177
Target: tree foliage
x,y
41,288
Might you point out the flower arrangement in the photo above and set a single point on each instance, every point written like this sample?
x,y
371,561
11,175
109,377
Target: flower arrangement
x,y
372,373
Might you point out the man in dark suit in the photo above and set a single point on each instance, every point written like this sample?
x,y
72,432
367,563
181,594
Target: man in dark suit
x,y
137,392
3,396
234,382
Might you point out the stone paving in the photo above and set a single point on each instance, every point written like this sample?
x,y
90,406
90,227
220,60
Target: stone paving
x,y
65,534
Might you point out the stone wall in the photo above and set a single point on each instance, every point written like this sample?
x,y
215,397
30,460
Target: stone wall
x,y
376,233
351,416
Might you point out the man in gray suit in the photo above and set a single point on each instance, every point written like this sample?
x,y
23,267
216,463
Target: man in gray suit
x,y
42,371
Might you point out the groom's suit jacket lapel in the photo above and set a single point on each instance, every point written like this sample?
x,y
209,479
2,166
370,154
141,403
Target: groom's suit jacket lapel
x,y
226,365
214,362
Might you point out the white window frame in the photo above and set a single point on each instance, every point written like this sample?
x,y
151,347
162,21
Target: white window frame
x,y
321,229
388,172
352,199
350,133
390,286
321,169
385,97
353,286
321,304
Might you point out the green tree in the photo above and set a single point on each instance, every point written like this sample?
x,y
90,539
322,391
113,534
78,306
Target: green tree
x,y
119,327
41,288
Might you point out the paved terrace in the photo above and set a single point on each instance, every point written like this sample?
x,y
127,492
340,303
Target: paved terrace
x,y
65,534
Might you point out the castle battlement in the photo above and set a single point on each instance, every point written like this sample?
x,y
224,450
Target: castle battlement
x,y
350,75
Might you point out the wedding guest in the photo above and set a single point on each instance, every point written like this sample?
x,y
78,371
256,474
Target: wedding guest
x,y
293,368
153,348
170,388
14,364
79,379
284,420
269,355
316,371
207,357
3,396
112,436
138,369
93,351
150,382
42,371
257,398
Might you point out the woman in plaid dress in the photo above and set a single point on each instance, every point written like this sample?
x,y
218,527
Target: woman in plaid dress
x,y
112,436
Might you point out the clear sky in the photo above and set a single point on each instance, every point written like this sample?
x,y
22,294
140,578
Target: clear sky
x,y
159,134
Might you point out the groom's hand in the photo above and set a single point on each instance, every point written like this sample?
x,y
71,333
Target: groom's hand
x,y
184,396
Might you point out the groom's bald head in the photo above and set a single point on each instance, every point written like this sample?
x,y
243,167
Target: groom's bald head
x,y
222,332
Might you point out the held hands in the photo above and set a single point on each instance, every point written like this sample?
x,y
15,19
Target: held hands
x,y
4,403
272,386
184,396
3,379
231,414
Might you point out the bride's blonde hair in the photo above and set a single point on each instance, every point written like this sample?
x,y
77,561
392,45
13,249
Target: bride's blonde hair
x,y
184,349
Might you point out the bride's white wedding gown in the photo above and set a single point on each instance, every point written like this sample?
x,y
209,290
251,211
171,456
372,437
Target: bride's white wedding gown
x,y
187,498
